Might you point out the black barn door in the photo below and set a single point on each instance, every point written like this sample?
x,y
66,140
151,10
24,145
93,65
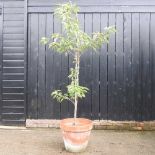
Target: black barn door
x,y
120,76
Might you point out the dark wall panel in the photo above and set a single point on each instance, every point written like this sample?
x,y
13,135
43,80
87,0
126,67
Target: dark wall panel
x,y
145,65
119,68
128,101
1,60
103,67
41,68
152,63
112,109
33,66
13,64
49,56
95,71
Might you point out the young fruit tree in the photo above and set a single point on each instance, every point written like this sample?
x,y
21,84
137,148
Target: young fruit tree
x,y
73,40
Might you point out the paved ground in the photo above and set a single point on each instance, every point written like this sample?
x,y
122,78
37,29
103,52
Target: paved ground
x,y
49,142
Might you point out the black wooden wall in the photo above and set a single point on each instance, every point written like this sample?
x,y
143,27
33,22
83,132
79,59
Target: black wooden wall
x,y
120,76
12,64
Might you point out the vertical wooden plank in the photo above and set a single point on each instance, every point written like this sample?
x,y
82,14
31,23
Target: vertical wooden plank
x,y
103,72
128,68
64,81
119,62
82,103
88,28
1,54
112,115
81,109
145,57
95,72
25,56
136,68
57,70
41,68
29,113
33,66
49,70
128,101
152,55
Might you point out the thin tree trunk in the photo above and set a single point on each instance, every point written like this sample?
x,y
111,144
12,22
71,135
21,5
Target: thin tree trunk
x,y
77,68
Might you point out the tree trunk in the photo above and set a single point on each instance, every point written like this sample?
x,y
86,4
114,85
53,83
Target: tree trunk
x,y
77,68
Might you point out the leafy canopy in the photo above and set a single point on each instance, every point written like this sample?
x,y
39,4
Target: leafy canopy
x,y
74,40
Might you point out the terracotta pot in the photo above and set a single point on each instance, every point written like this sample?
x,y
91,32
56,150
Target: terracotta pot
x,y
76,136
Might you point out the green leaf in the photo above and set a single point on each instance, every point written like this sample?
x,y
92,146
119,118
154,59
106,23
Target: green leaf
x,y
44,40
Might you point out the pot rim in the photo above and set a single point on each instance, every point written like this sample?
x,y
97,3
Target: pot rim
x,y
82,125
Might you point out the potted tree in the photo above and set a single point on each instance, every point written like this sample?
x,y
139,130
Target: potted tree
x,y
75,130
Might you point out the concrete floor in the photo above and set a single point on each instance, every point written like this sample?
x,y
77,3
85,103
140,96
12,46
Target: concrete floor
x,y
49,142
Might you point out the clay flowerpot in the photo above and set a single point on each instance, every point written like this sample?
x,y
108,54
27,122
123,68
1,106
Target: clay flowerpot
x,y
76,136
